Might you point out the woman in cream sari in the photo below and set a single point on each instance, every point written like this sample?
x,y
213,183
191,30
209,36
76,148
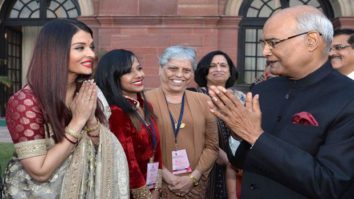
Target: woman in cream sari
x,y
63,148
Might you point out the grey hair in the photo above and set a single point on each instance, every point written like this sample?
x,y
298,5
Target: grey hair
x,y
318,22
180,53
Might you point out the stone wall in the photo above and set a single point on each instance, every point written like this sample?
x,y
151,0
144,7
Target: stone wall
x,y
148,27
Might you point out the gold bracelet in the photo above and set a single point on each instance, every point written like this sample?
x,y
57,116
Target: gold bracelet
x,y
195,181
73,133
93,128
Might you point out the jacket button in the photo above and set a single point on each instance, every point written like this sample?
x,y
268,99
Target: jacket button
x,y
278,118
287,96
253,186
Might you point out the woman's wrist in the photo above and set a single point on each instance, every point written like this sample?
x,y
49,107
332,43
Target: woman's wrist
x,y
196,174
91,129
92,122
76,124
70,138
167,176
73,132
170,179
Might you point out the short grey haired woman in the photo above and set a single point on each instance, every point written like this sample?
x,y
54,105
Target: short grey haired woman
x,y
189,136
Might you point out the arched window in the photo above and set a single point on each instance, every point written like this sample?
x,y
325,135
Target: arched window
x,y
54,9
39,11
255,13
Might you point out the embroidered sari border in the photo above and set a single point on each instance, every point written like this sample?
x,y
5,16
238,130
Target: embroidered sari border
x,y
141,193
31,148
158,184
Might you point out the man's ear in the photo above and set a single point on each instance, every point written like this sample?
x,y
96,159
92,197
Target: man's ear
x,y
313,40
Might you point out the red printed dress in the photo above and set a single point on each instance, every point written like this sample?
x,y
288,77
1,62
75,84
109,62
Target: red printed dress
x,y
138,148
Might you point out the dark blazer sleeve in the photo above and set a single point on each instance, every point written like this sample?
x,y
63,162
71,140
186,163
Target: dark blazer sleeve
x,y
328,174
241,153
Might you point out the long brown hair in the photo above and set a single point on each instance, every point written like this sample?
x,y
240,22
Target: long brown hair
x,y
48,73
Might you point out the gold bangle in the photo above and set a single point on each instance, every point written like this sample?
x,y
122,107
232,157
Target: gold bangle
x,y
195,181
93,128
73,133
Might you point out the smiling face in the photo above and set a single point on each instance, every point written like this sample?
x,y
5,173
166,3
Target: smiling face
x,y
219,71
176,75
81,54
132,82
343,59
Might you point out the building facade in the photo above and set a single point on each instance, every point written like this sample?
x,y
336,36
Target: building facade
x,y
147,27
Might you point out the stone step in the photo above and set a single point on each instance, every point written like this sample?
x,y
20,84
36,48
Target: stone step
x,y
5,135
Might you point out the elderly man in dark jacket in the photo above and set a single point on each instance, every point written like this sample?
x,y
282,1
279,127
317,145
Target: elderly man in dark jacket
x,y
298,129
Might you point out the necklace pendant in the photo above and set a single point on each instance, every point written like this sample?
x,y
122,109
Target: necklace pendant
x,y
180,126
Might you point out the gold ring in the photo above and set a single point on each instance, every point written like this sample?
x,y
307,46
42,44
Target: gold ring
x,y
86,99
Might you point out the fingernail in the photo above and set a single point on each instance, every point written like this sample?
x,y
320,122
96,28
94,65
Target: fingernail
x,y
77,93
224,90
257,96
217,91
211,110
215,99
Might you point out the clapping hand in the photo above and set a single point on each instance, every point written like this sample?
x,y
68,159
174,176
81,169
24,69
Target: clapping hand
x,y
245,121
84,104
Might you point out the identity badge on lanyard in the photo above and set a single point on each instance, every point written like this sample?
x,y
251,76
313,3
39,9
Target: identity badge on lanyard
x,y
180,162
152,167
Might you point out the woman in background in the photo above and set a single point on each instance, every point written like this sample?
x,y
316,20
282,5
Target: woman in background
x,y
133,122
217,69
265,76
57,122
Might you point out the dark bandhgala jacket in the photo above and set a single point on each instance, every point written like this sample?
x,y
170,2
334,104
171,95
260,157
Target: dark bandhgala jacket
x,y
296,161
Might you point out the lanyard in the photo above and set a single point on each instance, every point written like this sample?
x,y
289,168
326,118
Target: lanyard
x,y
207,90
152,134
176,129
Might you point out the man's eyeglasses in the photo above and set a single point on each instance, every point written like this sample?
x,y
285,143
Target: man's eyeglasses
x,y
340,47
273,43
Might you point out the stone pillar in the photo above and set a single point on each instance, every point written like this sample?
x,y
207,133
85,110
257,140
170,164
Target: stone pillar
x,y
228,35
